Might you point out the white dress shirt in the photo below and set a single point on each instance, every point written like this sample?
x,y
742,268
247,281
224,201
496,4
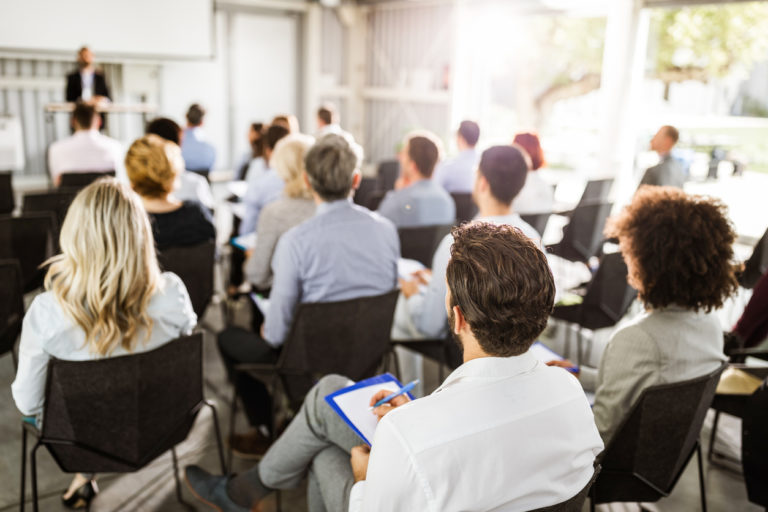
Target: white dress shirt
x,y
500,434
85,151
48,332
193,187
536,196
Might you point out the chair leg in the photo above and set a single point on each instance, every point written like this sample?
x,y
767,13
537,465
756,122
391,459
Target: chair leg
x,y
176,474
396,362
702,488
219,443
23,466
278,501
591,504
579,347
14,358
712,436
33,476
232,415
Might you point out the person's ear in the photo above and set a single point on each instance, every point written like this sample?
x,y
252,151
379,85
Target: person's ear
x,y
459,322
305,176
356,179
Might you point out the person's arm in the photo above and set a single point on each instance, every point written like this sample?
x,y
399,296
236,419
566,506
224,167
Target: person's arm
x,y
286,291
392,482
388,207
206,220
28,387
630,363
258,269
427,308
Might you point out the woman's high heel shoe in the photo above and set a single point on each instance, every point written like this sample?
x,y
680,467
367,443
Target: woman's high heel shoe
x,y
81,498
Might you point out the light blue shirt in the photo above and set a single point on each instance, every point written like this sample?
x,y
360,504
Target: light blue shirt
x,y
424,203
344,252
427,307
457,174
261,191
198,153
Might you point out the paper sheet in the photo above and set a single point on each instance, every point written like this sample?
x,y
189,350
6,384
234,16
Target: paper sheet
x,y
261,302
406,268
544,354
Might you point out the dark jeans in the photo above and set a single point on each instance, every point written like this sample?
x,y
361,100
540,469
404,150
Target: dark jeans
x,y
240,346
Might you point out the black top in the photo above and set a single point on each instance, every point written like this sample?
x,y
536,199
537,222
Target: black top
x,y
191,224
75,86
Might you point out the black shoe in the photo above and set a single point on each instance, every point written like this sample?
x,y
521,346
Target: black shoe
x,y
82,497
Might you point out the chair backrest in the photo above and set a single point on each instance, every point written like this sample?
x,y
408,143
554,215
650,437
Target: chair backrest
x,y
609,295
537,221
367,194
754,445
466,209
11,304
596,191
7,201
117,414
30,239
756,265
348,337
576,503
387,174
56,201
654,442
420,243
80,180
194,265
583,235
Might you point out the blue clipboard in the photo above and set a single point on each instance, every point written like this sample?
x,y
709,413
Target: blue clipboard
x,y
379,379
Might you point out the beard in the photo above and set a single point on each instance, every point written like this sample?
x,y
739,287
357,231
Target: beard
x,y
455,337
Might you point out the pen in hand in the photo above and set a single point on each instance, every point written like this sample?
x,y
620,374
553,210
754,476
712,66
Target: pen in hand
x,y
405,389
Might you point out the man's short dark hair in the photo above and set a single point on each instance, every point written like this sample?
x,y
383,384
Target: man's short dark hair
x,y
505,169
671,132
83,115
274,133
470,132
423,151
331,165
165,128
327,114
502,283
195,114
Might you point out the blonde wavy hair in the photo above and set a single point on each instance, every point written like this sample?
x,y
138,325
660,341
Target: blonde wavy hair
x,y
288,161
153,164
107,270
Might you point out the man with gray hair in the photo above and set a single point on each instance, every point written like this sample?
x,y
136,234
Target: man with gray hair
x,y
344,252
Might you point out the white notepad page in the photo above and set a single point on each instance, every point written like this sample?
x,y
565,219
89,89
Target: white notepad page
x,y
356,403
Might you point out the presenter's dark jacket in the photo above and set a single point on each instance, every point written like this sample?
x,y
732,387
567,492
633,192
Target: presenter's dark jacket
x,y
75,86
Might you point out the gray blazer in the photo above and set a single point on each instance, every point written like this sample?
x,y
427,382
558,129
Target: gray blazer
x,y
669,345
668,172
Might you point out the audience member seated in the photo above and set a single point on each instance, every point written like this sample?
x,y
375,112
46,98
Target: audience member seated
x,y
287,121
192,186
264,187
678,250
105,297
503,432
417,200
255,150
153,166
669,172
457,174
501,174
752,328
344,252
328,122
296,206
86,150
537,195
199,154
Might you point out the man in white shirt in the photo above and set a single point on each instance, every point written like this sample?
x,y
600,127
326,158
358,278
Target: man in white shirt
x,y
86,150
503,432
328,122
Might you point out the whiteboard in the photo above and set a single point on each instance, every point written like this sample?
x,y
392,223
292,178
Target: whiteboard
x,y
111,28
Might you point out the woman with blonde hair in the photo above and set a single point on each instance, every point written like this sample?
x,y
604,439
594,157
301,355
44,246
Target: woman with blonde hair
x,y
294,207
154,165
105,297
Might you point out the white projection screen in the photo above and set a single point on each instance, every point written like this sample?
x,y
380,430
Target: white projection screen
x,y
162,29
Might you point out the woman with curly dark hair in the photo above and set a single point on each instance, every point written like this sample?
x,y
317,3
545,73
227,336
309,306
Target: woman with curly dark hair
x,y
679,250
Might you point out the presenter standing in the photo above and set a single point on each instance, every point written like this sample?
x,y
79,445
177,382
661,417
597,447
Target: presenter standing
x,y
87,84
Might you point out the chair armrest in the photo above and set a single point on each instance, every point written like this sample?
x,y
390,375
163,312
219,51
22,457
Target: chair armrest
x,y
738,355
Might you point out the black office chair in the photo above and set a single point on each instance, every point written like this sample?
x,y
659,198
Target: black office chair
x,y
596,191
205,173
387,174
607,298
80,180
116,415
754,446
444,351
537,221
576,503
654,443
11,306
466,209
194,265
368,193
348,337
756,265
29,239
56,201
583,235
7,200
420,243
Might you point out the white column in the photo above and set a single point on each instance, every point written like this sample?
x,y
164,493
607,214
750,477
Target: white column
x,y
312,55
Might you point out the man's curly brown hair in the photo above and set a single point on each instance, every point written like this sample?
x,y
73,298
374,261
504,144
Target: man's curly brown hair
x,y
502,283
681,247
